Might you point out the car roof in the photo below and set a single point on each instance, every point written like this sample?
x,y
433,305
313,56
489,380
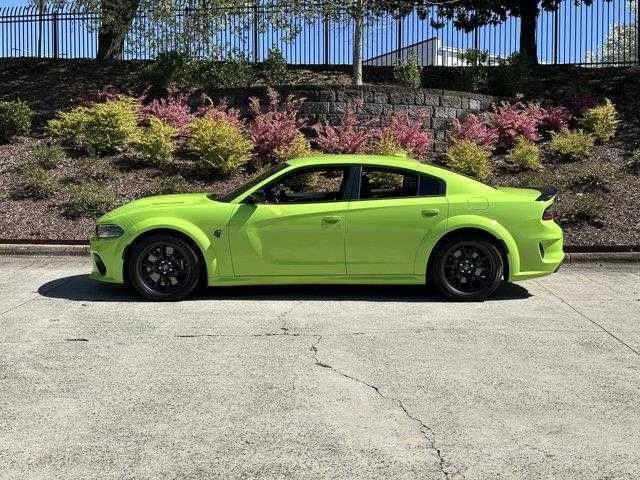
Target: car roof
x,y
368,159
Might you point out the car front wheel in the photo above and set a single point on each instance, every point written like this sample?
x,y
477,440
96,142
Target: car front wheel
x,y
467,269
163,267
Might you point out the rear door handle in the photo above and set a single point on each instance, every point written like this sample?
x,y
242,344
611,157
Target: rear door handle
x,y
331,219
430,212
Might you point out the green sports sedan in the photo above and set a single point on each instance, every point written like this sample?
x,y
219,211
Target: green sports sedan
x,y
333,219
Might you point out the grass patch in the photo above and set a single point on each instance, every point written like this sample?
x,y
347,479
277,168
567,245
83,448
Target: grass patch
x,y
37,183
87,200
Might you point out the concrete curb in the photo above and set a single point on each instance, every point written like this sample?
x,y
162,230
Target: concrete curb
x,y
83,250
605,257
36,249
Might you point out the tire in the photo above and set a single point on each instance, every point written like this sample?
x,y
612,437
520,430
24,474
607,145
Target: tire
x,y
163,268
466,269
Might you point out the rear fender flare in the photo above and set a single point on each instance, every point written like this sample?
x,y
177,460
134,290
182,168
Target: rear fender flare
x,y
459,222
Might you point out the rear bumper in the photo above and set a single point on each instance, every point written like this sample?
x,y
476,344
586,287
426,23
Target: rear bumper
x,y
540,254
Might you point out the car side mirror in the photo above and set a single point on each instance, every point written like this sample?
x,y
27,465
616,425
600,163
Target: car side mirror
x,y
257,197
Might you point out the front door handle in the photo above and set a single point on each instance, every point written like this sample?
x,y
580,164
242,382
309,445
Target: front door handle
x,y
331,219
430,212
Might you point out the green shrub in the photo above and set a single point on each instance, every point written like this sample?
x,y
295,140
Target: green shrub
x,y
93,170
88,199
580,208
601,121
168,185
387,145
572,145
274,67
70,127
469,158
37,183
48,156
102,128
170,68
524,155
407,72
512,75
474,76
218,145
156,143
299,147
15,119
233,72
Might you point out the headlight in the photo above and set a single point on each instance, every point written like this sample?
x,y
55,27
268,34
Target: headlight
x,y
108,231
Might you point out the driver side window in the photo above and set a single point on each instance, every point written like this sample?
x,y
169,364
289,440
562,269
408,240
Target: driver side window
x,y
309,185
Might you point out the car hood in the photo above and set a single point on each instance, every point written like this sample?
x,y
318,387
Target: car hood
x,y
158,201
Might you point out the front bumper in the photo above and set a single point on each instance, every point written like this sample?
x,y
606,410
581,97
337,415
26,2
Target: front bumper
x,y
107,259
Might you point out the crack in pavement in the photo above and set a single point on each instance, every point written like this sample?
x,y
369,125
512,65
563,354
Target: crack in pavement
x,y
450,471
611,334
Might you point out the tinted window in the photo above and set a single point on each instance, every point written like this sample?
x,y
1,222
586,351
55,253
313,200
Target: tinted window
x,y
325,184
379,182
250,184
431,186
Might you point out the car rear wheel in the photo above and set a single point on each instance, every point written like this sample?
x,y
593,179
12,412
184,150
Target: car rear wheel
x,y
467,269
163,267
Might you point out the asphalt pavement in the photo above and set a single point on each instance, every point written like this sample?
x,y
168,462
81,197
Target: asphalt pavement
x,y
541,382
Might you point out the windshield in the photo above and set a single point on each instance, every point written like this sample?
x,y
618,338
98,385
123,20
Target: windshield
x,y
250,184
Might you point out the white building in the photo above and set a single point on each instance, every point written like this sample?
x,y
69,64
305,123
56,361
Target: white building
x,y
428,52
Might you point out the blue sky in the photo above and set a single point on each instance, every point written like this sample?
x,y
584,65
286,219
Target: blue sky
x,y
581,30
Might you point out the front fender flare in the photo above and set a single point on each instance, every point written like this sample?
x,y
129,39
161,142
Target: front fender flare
x,y
170,223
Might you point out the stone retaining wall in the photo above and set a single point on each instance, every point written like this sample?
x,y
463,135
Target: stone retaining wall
x,y
327,104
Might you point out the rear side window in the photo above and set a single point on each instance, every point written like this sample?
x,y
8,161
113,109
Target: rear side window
x,y
431,187
379,182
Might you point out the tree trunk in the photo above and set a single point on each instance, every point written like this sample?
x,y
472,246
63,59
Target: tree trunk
x,y
116,18
528,23
358,17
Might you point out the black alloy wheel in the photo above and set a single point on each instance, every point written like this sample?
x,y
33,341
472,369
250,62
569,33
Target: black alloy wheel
x,y
164,267
467,269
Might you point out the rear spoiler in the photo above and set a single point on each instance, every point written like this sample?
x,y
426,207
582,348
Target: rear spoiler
x,y
546,193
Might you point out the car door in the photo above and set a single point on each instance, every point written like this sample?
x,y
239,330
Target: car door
x,y
395,209
294,226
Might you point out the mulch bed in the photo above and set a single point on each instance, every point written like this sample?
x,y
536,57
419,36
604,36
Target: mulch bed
x,y
22,218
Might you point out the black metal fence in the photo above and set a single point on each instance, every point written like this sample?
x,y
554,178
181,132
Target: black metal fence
x,y
605,33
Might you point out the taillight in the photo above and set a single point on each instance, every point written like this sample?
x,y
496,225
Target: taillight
x,y
548,213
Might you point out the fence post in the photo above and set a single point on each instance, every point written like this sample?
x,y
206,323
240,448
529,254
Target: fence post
x,y
55,39
255,32
556,35
399,38
637,59
326,39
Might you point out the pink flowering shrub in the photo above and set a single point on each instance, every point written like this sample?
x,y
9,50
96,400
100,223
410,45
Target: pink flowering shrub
x,y
275,126
409,134
554,119
477,129
174,110
221,112
350,136
513,120
177,112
